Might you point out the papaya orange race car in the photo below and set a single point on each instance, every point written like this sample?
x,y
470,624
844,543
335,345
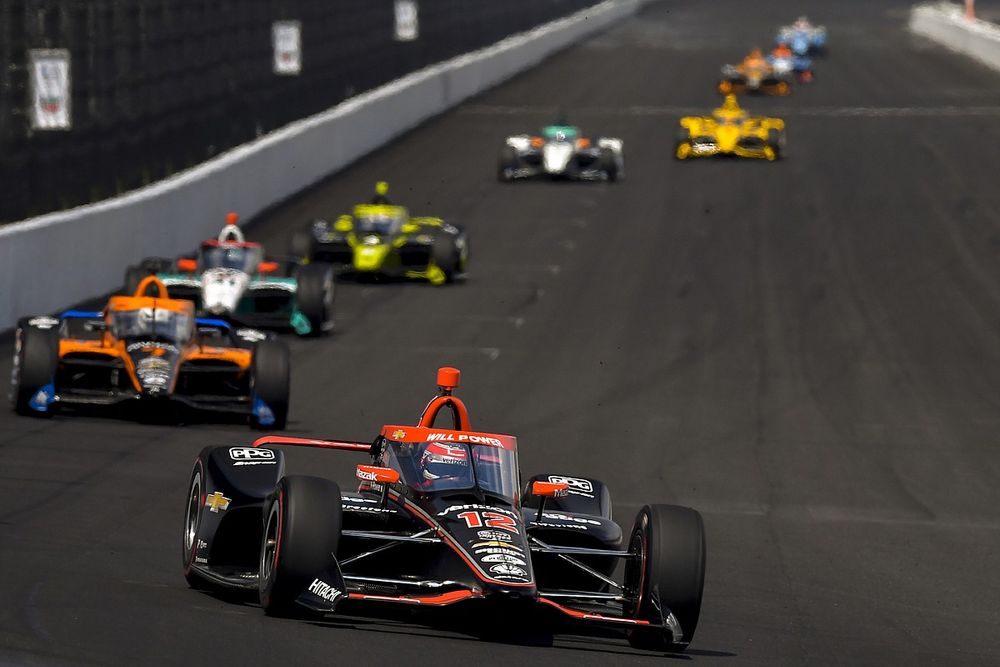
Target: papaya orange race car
x,y
754,75
148,349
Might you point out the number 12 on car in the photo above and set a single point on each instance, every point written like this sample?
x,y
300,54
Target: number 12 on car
x,y
489,519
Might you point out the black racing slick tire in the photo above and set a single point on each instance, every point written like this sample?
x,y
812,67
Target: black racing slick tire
x,y
271,383
448,256
302,245
315,296
609,164
776,140
506,164
133,276
668,574
192,523
36,359
301,534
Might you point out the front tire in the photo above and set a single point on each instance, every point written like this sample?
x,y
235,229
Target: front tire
x,y
668,575
450,255
36,359
609,163
301,534
506,164
192,524
271,378
315,295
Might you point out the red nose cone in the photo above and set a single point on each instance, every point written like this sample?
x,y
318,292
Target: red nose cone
x,y
232,218
448,378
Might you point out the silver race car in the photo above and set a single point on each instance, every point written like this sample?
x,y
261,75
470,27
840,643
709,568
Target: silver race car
x,y
561,151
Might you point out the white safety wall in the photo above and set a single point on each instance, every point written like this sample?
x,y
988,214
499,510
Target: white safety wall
x,y
56,260
945,23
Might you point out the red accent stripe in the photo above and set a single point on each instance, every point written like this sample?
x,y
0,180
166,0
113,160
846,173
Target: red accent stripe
x,y
589,616
310,442
434,600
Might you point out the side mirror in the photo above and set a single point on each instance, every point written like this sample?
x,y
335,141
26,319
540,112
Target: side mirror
x,y
187,265
267,267
549,489
377,474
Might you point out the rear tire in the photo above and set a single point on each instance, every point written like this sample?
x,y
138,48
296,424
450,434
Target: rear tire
x,y
303,245
36,359
315,295
301,534
271,378
776,140
133,276
670,575
609,164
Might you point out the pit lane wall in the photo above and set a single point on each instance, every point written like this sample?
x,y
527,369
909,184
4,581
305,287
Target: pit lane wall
x,y
945,23
53,261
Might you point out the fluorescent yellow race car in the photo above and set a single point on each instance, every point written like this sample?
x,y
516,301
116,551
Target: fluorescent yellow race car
x,y
730,130
381,239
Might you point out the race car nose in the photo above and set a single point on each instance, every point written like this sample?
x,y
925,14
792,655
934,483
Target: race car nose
x,y
511,594
728,137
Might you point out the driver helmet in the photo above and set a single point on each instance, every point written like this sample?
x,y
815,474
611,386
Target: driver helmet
x,y
730,103
381,195
441,461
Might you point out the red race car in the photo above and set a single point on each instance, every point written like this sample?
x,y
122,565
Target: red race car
x,y
439,518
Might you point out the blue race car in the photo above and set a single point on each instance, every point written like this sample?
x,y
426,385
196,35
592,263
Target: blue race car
x,y
803,38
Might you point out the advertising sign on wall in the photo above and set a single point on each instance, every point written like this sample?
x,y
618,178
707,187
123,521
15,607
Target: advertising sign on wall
x,y
50,89
407,21
287,39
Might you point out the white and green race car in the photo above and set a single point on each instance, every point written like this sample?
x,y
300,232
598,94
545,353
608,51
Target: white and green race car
x,y
229,278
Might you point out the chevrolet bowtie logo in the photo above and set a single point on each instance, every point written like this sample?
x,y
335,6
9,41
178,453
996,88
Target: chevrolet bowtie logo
x,y
216,501
398,434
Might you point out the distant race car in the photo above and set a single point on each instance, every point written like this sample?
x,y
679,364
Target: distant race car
x,y
754,75
230,278
561,151
438,518
147,351
381,239
730,130
785,62
803,37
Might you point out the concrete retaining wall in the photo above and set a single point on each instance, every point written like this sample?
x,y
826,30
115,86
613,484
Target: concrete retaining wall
x,y
53,261
945,23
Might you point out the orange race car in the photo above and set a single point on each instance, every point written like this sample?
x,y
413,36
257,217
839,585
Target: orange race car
x,y
149,350
754,75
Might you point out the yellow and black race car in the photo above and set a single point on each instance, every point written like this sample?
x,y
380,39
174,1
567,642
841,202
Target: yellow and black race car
x,y
730,130
381,239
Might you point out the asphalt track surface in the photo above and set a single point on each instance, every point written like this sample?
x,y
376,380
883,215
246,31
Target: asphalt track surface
x,y
808,352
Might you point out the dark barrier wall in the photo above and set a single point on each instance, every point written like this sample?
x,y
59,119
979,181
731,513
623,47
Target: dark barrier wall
x,y
160,85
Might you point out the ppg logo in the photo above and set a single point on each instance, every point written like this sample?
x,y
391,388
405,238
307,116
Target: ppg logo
x,y
250,454
576,485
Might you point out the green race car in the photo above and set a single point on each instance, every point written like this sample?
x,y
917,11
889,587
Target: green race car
x,y
228,278
381,239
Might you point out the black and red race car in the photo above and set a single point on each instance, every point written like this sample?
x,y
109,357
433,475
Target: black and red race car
x,y
439,518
